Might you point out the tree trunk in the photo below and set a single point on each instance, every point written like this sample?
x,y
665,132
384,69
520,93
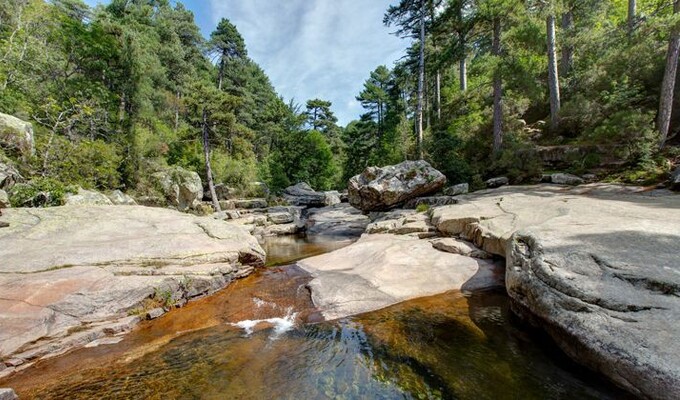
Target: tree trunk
x,y
631,16
439,96
497,89
463,74
668,83
177,97
567,49
421,83
553,78
220,74
208,169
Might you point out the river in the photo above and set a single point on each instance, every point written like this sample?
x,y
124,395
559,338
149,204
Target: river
x,y
261,338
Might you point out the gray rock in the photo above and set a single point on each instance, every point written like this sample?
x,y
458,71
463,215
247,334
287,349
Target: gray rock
x,y
303,195
182,188
155,313
565,179
119,198
4,199
227,214
249,204
589,177
459,246
281,218
675,180
8,394
9,176
283,229
16,135
339,221
497,182
86,198
455,190
434,201
332,198
224,192
596,266
380,270
378,189
76,265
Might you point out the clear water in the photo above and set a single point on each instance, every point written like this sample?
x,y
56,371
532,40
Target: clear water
x,y
261,339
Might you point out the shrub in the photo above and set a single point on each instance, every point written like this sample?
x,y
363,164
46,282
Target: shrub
x,y
23,195
88,163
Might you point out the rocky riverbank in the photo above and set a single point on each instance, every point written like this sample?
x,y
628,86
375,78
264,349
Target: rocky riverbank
x,y
73,275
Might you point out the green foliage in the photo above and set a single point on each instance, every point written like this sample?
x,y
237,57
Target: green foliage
x,y
422,207
22,195
92,164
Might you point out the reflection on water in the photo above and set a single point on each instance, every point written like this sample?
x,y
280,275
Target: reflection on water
x,y
287,249
261,339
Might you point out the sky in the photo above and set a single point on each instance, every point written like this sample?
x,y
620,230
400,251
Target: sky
x,y
309,48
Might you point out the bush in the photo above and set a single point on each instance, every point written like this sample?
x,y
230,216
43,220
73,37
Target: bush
x,y
92,164
24,195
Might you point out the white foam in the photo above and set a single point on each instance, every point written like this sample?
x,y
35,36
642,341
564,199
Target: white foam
x,y
281,324
261,303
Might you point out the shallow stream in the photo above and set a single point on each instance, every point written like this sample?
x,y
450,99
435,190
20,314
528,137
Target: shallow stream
x,y
261,338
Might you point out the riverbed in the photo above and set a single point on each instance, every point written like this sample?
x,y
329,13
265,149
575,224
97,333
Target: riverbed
x,y
262,338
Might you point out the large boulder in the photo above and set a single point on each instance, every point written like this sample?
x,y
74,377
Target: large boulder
x,y
86,198
380,270
182,188
303,195
596,266
16,135
9,176
69,275
378,189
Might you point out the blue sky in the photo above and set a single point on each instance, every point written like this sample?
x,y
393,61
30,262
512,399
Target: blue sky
x,y
310,48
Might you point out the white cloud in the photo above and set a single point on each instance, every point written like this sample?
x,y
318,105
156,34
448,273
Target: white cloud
x,y
315,48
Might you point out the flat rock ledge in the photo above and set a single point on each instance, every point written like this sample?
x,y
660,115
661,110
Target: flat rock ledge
x,y
380,270
75,276
596,266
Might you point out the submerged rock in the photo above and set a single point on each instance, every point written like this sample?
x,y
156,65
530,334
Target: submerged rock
x,y
8,394
379,189
596,266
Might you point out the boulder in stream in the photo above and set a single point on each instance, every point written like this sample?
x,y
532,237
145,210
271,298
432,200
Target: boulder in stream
x,y
379,189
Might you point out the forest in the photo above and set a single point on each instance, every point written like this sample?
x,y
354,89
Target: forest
x,y
486,88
